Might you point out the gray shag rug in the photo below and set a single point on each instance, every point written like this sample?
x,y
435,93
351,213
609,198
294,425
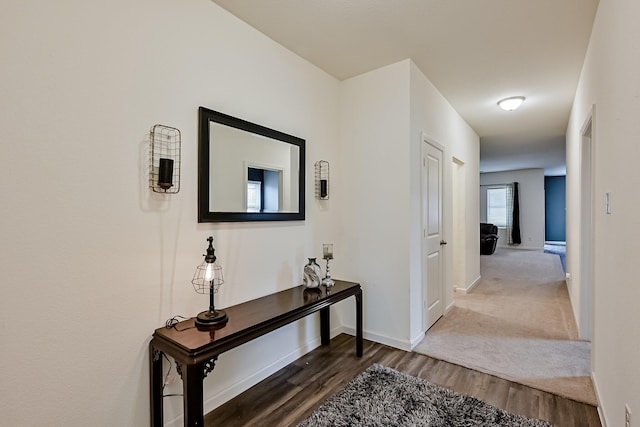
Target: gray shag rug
x,y
382,396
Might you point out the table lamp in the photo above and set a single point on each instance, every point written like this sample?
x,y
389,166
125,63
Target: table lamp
x,y
208,277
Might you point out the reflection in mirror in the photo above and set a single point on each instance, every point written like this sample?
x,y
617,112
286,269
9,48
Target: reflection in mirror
x,y
248,172
264,190
240,157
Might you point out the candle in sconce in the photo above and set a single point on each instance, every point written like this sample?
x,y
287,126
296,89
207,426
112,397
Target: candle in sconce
x,y
327,251
165,174
324,188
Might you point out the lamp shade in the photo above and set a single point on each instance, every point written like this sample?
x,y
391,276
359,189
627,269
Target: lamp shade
x,y
207,275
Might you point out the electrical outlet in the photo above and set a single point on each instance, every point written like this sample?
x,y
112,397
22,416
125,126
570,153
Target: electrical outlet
x,y
627,416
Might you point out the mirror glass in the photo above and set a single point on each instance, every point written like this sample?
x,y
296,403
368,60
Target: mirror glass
x,y
248,172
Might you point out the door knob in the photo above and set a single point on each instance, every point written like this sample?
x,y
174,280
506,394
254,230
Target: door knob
x,y
442,242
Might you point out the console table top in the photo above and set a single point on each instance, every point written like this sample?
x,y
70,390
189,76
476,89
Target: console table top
x,y
252,318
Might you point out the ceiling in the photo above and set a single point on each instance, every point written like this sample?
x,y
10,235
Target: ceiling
x,y
474,51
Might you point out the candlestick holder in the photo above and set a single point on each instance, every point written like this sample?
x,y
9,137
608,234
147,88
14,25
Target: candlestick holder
x,y
327,254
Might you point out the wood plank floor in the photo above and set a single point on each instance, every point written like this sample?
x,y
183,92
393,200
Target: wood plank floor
x,y
291,394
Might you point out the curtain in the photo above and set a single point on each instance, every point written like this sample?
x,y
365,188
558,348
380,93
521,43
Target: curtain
x,y
509,213
513,215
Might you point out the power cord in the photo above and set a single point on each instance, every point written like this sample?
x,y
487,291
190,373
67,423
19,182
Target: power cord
x,y
166,377
173,322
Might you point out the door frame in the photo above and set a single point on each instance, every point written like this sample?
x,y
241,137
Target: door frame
x,y
425,139
587,233
459,228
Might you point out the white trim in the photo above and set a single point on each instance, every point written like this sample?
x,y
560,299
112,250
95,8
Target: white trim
x,y
449,307
601,413
246,383
429,140
470,287
265,166
417,340
521,248
381,339
587,243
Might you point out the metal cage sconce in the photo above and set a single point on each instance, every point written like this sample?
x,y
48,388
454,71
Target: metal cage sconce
x,y
164,159
322,179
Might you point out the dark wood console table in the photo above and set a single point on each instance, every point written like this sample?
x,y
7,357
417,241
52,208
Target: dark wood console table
x,y
196,351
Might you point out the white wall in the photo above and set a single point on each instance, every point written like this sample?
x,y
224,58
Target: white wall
x,y
374,209
610,82
531,191
433,116
92,262
384,113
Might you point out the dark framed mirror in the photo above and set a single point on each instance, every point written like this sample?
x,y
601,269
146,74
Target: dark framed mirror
x,y
248,172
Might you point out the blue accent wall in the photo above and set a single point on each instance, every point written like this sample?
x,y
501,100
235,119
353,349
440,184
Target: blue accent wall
x,y
555,208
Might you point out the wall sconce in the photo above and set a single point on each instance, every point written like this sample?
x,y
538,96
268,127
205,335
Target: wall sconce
x,y
208,277
322,180
164,159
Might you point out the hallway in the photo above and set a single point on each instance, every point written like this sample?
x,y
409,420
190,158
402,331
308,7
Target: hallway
x,y
517,324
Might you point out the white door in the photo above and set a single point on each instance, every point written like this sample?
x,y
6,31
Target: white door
x,y
432,277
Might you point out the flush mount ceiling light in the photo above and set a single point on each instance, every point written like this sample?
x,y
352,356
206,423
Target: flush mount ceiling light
x,y
511,103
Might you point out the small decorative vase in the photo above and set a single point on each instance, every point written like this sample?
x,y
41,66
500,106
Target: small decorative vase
x,y
312,273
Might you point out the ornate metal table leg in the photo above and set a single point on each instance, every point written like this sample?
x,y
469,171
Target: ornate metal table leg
x,y
155,373
192,377
359,343
325,326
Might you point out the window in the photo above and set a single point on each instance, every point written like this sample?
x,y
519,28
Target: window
x,y
254,198
497,206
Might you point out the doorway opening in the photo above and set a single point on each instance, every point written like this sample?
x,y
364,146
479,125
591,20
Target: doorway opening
x,y
263,189
586,230
459,248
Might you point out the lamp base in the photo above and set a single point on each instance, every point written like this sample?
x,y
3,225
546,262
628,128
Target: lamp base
x,y
211,318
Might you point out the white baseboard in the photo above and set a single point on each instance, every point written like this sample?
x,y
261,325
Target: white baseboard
x,y
382,339
246,383
601,413
417,340
471,286
449,307
522,248
232,391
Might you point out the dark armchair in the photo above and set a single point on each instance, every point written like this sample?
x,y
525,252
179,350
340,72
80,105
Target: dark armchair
x,y
488,238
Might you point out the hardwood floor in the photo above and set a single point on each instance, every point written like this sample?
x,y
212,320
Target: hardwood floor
x,y
291,394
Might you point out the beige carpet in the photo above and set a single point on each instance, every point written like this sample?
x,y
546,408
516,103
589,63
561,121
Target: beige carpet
x,y
517,324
